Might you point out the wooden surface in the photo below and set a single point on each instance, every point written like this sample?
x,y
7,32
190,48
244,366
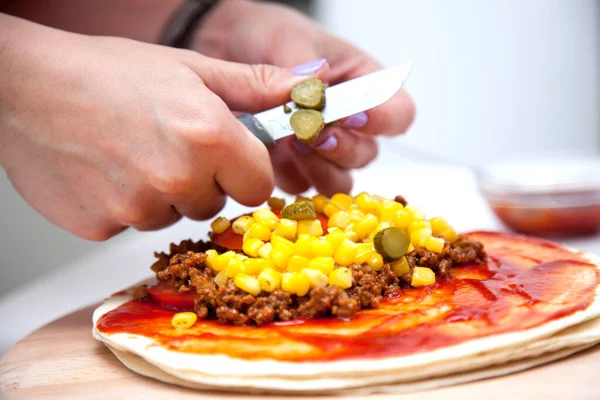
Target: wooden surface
x,y
63,361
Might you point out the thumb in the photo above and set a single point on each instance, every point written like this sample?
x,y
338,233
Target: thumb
x,y
246,87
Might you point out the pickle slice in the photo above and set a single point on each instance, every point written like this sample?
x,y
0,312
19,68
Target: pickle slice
x,y
307,124
299,211
309,94
392,243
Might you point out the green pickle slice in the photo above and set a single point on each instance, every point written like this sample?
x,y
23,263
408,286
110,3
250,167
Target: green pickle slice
x,y
307,124
309,94
392,243
299,211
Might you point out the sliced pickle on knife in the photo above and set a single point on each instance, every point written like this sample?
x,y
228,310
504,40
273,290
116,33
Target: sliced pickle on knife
x,y
307,124
309,94
392,243
299,211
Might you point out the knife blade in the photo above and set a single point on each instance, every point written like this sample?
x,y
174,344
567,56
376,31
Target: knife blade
x,y
343,100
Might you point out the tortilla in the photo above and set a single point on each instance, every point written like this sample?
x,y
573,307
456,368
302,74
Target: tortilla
x,y
548,315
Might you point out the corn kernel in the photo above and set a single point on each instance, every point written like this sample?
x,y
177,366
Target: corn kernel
x,y
417,224
355,215
319,201
211,253
242,224
323,264
369,238
438,225
221,278
184,320
376,261
383,225
240,257
336,236
286,228
400,266
321,247
295,283
329,209
265,251
310,227
251,246
276,239
280,255
219,262
415,211
302,245
220,225
363,253
339,219
341,277
450,235
352,236
260,231
434,244
247,283
345,254
403,219
269,279
419,237
422,276
234,267
368,204
266,216
316,277
341,201
211,258
297,263
252,266
410,248
366,225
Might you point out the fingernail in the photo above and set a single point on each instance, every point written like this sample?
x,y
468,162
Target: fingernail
x,y
328,144
310,67
301,148
357,120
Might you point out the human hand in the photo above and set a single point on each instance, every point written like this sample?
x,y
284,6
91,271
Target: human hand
x,y
286,38
100,133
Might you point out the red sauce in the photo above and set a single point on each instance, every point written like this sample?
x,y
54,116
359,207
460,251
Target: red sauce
x,y
511,293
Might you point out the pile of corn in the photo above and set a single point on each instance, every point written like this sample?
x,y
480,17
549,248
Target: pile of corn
x,y
296,256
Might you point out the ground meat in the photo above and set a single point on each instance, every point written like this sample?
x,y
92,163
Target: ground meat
x,y
401,200
329,300
183,269
467,251
140,292
369,287
181,248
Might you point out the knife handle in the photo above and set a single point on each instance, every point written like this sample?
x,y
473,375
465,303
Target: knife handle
x,y
257,129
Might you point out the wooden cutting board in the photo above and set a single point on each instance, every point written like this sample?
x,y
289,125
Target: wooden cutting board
x,y
63,361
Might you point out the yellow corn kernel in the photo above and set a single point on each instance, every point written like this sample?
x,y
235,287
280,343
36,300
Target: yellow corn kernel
x,y
434,244
323,264
266,216
234,267
450,235
256,265
321,247
345,254
352,236
329,209
221,278
383,225
211,253
240,257
339,219
297,263
184,320
310,227
376,261
410,248
368,204
422,276
335,236
220,262
242,224
403,219
388,213
415,211
260,231
302,245
341,277
276,239
363,253
355,215
419,237
341,201
252,245
269,279
400,266
319,201
210,258
366,225
417,224
265,251
247,283
220,225
316,277
286,228
295,283
438,225
280,255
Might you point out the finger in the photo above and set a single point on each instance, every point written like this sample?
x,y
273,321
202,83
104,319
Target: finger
x,y
201,204
346,148
288,176
159,219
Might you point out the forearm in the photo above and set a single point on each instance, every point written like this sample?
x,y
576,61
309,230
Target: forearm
x,y
136,19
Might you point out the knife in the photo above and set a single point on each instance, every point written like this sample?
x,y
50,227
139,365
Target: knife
x,y
343,100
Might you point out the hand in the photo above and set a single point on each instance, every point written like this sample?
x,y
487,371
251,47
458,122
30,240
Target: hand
x,y
99,134
286,38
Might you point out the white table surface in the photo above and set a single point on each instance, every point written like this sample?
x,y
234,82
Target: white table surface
x,y
123,263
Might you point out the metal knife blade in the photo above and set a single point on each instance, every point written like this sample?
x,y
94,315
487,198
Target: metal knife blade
x,y
343,100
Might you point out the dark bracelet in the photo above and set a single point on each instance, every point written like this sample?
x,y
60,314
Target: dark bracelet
x,y
180,28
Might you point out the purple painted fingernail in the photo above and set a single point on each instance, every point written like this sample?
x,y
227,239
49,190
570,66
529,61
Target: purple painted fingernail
x,y
357,120
301,148
310,67
328,144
